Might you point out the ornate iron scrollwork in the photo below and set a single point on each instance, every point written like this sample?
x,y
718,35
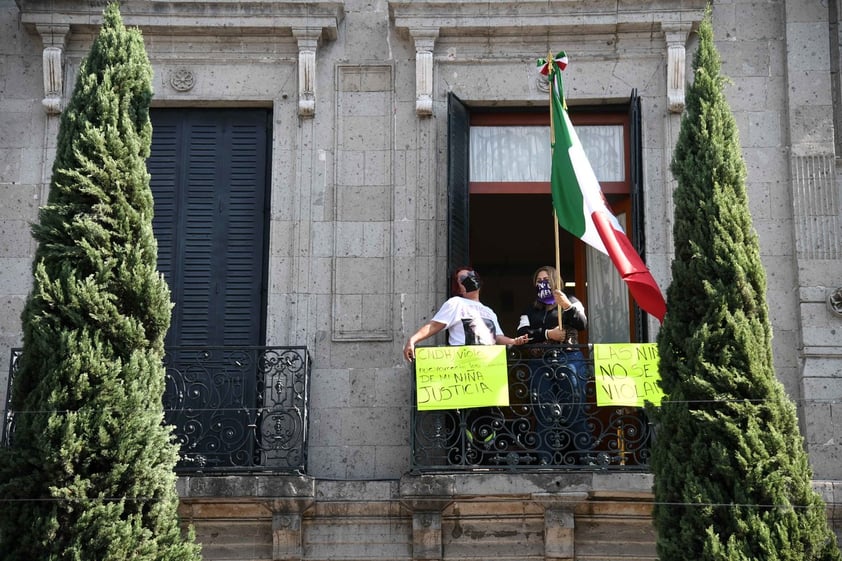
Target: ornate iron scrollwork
x,y
238,409
552,422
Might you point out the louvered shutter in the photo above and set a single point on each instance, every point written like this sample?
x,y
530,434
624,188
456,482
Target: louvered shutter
x,y
636,170
209,178
458,137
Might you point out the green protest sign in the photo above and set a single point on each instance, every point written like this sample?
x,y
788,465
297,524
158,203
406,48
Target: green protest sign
x,y
626,374
461,377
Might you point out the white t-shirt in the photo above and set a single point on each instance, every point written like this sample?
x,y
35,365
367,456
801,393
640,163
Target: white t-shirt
x,y
468,322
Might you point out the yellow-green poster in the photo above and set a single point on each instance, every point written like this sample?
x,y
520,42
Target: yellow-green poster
x,y
627,374
461,377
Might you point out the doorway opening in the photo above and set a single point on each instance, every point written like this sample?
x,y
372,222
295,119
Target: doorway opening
x,y
512,235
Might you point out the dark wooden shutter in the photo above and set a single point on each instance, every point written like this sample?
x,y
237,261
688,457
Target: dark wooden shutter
x,y
209,180
636,169
458,177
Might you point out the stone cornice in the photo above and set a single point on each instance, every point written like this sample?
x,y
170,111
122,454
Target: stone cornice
x,y
219,17
502,17
673,20
307,22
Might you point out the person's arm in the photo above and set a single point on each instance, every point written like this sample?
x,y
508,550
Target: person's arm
x,y
535,334
572,311
574,316
504,340
425,331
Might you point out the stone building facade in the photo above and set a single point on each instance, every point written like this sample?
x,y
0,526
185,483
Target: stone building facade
x,y
362,229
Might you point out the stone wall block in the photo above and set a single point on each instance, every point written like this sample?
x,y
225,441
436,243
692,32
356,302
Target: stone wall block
x,y
763,130
235,540
322,239
759,21
329,387
823,336
361,275
426,536
281,275
809,87
807,46
282,238
744,59
10,166
12,306
15,239
559,526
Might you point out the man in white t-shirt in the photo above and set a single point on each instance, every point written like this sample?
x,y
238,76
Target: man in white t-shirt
x,y
467,320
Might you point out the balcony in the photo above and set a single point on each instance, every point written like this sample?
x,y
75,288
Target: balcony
x,y
233,409
552,423
245,410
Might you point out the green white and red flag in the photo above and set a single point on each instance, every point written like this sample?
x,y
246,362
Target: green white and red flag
x,y
580,205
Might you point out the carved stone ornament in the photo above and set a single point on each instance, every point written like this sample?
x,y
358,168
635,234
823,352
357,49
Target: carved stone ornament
x,y
676,39
54,38
425,40
834,301
182,80
308,44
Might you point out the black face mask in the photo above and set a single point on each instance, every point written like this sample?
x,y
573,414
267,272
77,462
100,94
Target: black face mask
x,y
470,282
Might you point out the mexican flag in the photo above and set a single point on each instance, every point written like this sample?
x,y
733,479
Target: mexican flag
x,y
580,205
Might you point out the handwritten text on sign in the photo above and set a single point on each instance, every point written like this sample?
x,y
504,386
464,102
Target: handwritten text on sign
x,y
627,374
461,377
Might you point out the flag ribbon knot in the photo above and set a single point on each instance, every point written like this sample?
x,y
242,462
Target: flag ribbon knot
x,y
559,61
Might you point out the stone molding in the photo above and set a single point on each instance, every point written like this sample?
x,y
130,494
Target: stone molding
x,y
307,22
426,20
214,17
469,17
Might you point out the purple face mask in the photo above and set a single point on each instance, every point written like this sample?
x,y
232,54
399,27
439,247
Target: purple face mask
x,y
545,294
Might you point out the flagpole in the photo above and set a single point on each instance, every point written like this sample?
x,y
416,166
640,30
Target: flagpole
x,y
557,279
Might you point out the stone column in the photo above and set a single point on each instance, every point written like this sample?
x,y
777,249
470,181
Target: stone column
x,y
425,40
676,38
54,38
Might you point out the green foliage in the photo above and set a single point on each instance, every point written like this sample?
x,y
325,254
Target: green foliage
x,y
89,475
732,479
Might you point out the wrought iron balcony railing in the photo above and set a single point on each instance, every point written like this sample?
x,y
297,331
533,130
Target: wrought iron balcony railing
x,y
552,422
246,410
233,409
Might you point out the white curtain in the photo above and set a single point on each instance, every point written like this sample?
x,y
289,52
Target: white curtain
x,y
608,299
523,153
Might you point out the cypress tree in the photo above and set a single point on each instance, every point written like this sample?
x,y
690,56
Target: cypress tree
x,y
732,479
90,473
